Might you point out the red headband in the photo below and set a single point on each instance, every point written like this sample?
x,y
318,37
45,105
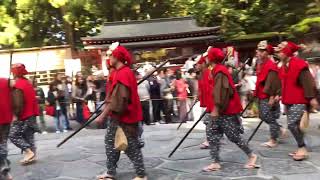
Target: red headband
x,y
290,49
215,55
19,69
122,54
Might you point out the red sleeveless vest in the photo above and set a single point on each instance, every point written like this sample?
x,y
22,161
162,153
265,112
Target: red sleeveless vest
x,y
125,76
200,92
234,107
5,103
262,75
30,107
208,89
292,93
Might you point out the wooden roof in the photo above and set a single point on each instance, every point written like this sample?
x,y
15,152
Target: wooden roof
x,y
156,32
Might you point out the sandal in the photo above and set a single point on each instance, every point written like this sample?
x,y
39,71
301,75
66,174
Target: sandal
x,y
211,168
292,154
29,161
269,145
298,157
105,176
204,146
252,165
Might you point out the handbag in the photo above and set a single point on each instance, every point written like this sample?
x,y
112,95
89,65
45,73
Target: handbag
x,y
304,122
86,112
121,142
50,111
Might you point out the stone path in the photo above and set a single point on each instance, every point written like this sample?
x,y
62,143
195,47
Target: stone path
x,y
83,157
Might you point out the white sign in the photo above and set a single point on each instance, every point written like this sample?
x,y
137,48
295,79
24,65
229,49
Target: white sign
x,y
72,66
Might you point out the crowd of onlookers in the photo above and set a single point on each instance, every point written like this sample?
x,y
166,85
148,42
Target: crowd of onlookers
x,y
166,96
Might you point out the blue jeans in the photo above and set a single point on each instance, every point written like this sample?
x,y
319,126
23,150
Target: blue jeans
x,y
58,117
79,114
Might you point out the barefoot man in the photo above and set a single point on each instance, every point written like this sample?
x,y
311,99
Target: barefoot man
x,y
298,91
227,107
268,89
25,110
125,111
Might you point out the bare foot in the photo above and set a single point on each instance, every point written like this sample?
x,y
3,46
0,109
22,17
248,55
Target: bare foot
x,y
212,167
270,144
284,133
204,145
301,154
251,164
28,157
105,176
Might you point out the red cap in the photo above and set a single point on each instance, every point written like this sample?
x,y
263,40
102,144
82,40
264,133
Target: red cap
x,y
122,54
290,49
215,55
19,69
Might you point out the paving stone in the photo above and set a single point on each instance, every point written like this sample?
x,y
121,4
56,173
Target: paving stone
x,y
149,163
198,177
189,155
233,156
255,178
39,171
97,158
66,178
309,176
81,169
83,157
69,157
286,167
315,159
275,154
186,166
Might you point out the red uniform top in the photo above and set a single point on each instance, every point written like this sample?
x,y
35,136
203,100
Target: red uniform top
x,y
292,93
201,92
5,103
125,76
262,75
234,107
208,89
30,107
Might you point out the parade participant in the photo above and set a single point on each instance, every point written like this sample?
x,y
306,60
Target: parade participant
x,y
203,83
298,91
25,110
123,106
224,116
268,87
5,121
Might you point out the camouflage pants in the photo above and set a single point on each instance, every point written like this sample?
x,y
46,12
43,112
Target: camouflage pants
x,y
4,162
270,115
133,151
22,134
294,115
231,127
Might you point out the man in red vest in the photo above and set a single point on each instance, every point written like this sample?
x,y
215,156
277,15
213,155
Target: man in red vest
x,y
298,91
5,121
25,110
204,92
227,107
268,88
124,108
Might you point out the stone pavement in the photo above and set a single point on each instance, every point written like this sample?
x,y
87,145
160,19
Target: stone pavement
x,y
83,157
